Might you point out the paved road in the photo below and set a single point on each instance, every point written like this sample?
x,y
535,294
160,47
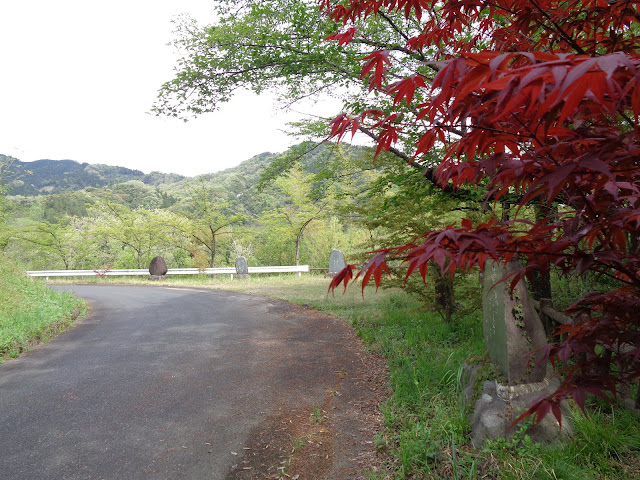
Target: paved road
x,y
159,383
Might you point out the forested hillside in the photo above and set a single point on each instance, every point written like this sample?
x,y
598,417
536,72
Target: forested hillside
x,y
275,209
59,176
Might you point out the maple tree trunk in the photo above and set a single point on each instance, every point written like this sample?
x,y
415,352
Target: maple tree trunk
x,y
444,295
540,282
633,243
540,285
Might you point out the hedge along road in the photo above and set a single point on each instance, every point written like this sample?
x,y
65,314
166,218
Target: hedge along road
x,y
167,383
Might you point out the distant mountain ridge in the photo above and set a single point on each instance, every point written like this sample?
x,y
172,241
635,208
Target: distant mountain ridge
x,y
51,177
43,177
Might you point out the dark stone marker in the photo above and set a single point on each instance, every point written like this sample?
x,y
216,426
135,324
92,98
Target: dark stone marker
x,y
158,269
512,328
242,268
336,262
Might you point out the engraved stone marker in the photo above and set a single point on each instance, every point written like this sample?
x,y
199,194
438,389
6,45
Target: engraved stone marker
x,y
336,262
512,328
242,268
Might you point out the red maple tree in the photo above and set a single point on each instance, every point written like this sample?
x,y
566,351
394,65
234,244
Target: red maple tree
x,y
544,100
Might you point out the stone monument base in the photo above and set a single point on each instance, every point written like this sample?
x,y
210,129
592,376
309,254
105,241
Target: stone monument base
x,y
157,277
242,276
499,406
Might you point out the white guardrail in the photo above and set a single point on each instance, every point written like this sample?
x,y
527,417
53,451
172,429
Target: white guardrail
x,y
299,269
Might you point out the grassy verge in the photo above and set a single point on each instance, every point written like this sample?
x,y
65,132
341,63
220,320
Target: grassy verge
x,y
426,418
31,313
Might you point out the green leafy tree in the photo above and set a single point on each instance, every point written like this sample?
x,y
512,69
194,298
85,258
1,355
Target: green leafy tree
x,y
297,211
328,233
279,46
61,205
64,244
143,233
135,194
265,45
209,218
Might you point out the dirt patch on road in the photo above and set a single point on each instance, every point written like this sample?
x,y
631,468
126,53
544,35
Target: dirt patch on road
x,y
330,439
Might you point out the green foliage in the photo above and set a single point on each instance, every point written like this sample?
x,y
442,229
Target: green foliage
x,y
279,46
135,194
268,45
141,233
190,221
334,169
5,165
605,445
30,312
210,218
425,356
329,233
59,243
567,290
60,205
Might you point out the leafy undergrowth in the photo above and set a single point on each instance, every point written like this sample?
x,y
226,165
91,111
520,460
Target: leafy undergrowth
x,y
426,418
31,313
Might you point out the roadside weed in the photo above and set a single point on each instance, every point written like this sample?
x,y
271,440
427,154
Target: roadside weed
x,y
317,415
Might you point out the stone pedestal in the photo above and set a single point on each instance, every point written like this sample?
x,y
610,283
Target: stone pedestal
x,y
499,405
157,277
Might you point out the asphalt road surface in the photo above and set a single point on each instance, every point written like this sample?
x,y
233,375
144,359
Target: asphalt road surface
x,y
167,383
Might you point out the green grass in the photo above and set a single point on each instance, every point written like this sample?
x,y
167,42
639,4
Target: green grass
x,y
30,313
426,418
606,445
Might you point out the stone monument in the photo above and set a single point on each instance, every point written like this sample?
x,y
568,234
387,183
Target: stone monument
x,y
158,269
242,268
512,328
514,337
336,262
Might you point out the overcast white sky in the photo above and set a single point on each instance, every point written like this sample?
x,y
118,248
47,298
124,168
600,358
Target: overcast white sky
x,y
77,79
